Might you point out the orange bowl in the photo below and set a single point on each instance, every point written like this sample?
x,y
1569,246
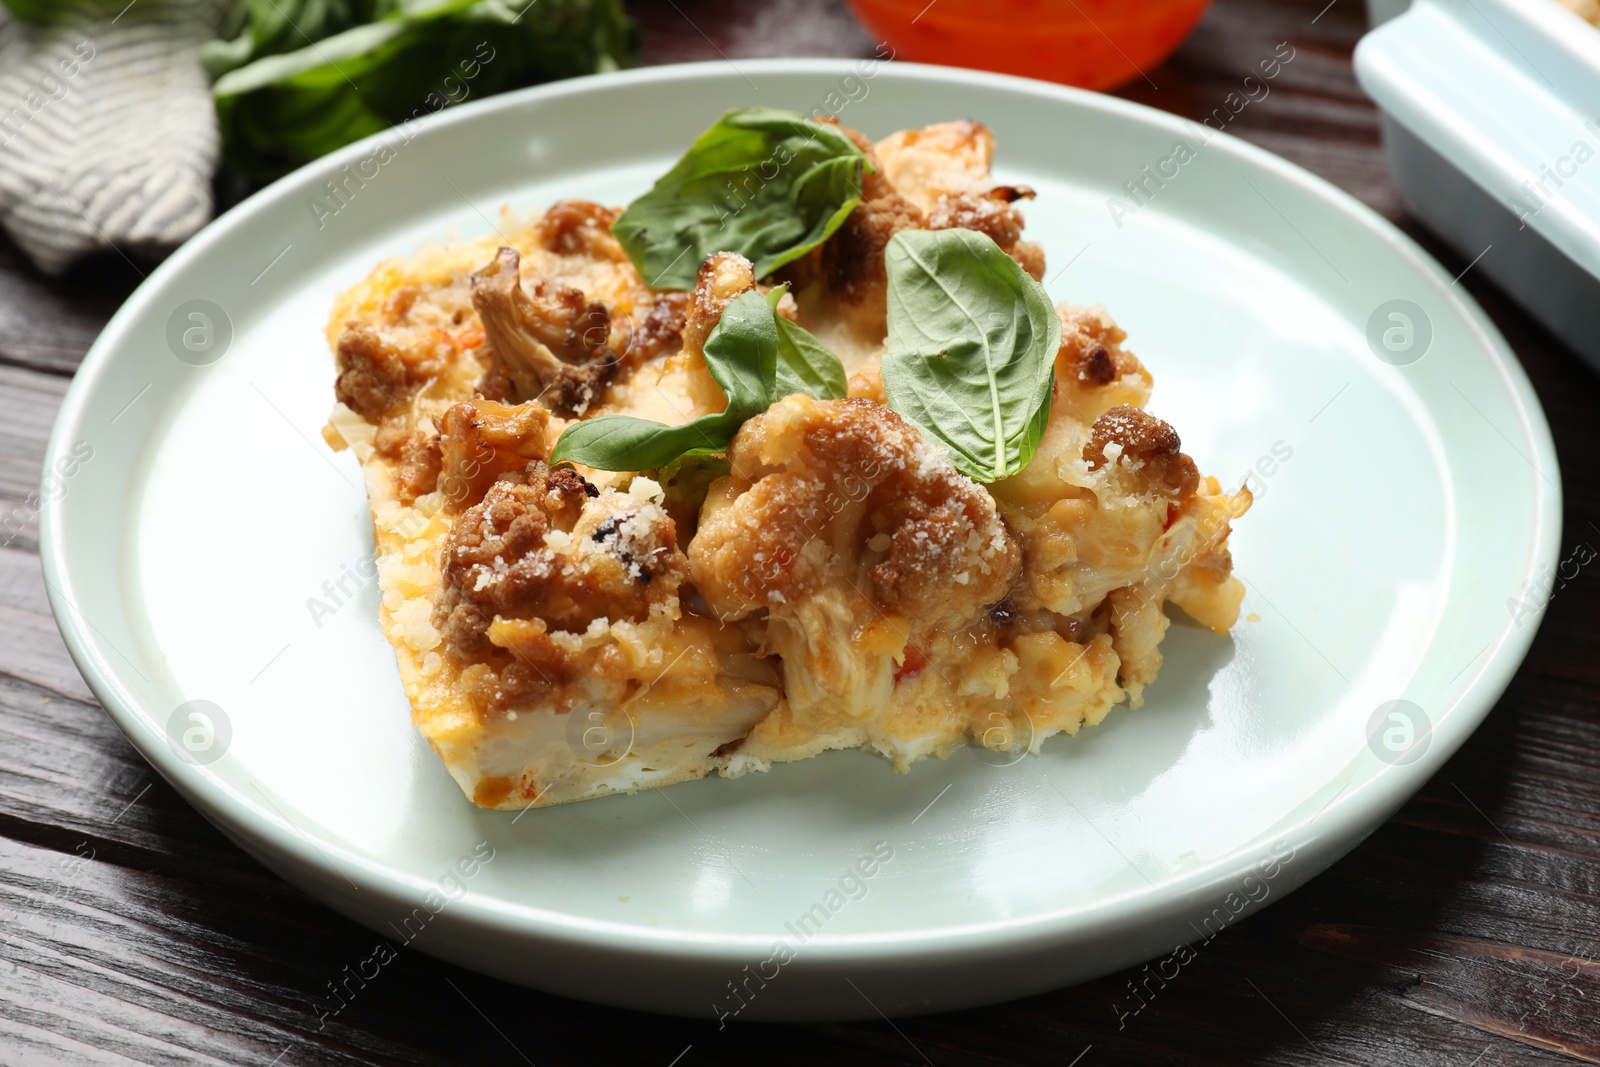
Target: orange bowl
x,y
1096,44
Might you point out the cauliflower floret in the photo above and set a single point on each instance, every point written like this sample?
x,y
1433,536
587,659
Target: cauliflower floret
x,y
553,344
1096,501
482,440
855,534
581,228
945,159
720,279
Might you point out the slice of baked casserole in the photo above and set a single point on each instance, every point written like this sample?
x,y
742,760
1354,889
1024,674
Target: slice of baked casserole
x,y
846,481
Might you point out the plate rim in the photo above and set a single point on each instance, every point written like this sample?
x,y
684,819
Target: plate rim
x,y
1352,815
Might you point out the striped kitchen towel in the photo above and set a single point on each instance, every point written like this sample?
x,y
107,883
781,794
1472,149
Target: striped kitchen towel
x,y
108,136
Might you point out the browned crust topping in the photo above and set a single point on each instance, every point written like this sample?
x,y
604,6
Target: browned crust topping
x,y
1091,352
415,454
1096,367
852,259
617,558
721,278
950,558
991,213
570,484
539,670
1152,445
821,488
659,330
374,381
553,344
580,228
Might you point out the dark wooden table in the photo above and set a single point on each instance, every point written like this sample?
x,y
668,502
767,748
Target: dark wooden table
x,y
1461,933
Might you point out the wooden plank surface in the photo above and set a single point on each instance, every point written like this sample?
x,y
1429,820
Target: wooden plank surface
x,y
1464,932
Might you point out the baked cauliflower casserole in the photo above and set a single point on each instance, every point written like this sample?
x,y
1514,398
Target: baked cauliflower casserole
x,y
818,569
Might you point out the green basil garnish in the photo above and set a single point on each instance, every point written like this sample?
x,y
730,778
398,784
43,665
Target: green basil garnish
x,y
770,185
805,364
755,354
741,354
296,79
972,346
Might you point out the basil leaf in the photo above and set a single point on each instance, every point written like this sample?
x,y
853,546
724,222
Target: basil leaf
x,y
365,66
770,185
257,28
805,365
972,346
741,354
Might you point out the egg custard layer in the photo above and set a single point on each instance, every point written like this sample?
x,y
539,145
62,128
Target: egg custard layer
x,y
831,581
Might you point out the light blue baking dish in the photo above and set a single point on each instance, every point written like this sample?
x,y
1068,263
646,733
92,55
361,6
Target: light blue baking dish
x,y
1492,129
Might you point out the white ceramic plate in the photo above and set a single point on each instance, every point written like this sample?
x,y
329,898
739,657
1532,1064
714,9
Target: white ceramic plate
x,y
1400,505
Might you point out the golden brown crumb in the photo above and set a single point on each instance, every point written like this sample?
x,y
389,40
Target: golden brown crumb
x,y
374,381
580,227
850,263
846,490
945,168
1094,369
853,258
658,331
1092,351
991,213
1151,444
415,455
1095,366
553,548
720,279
